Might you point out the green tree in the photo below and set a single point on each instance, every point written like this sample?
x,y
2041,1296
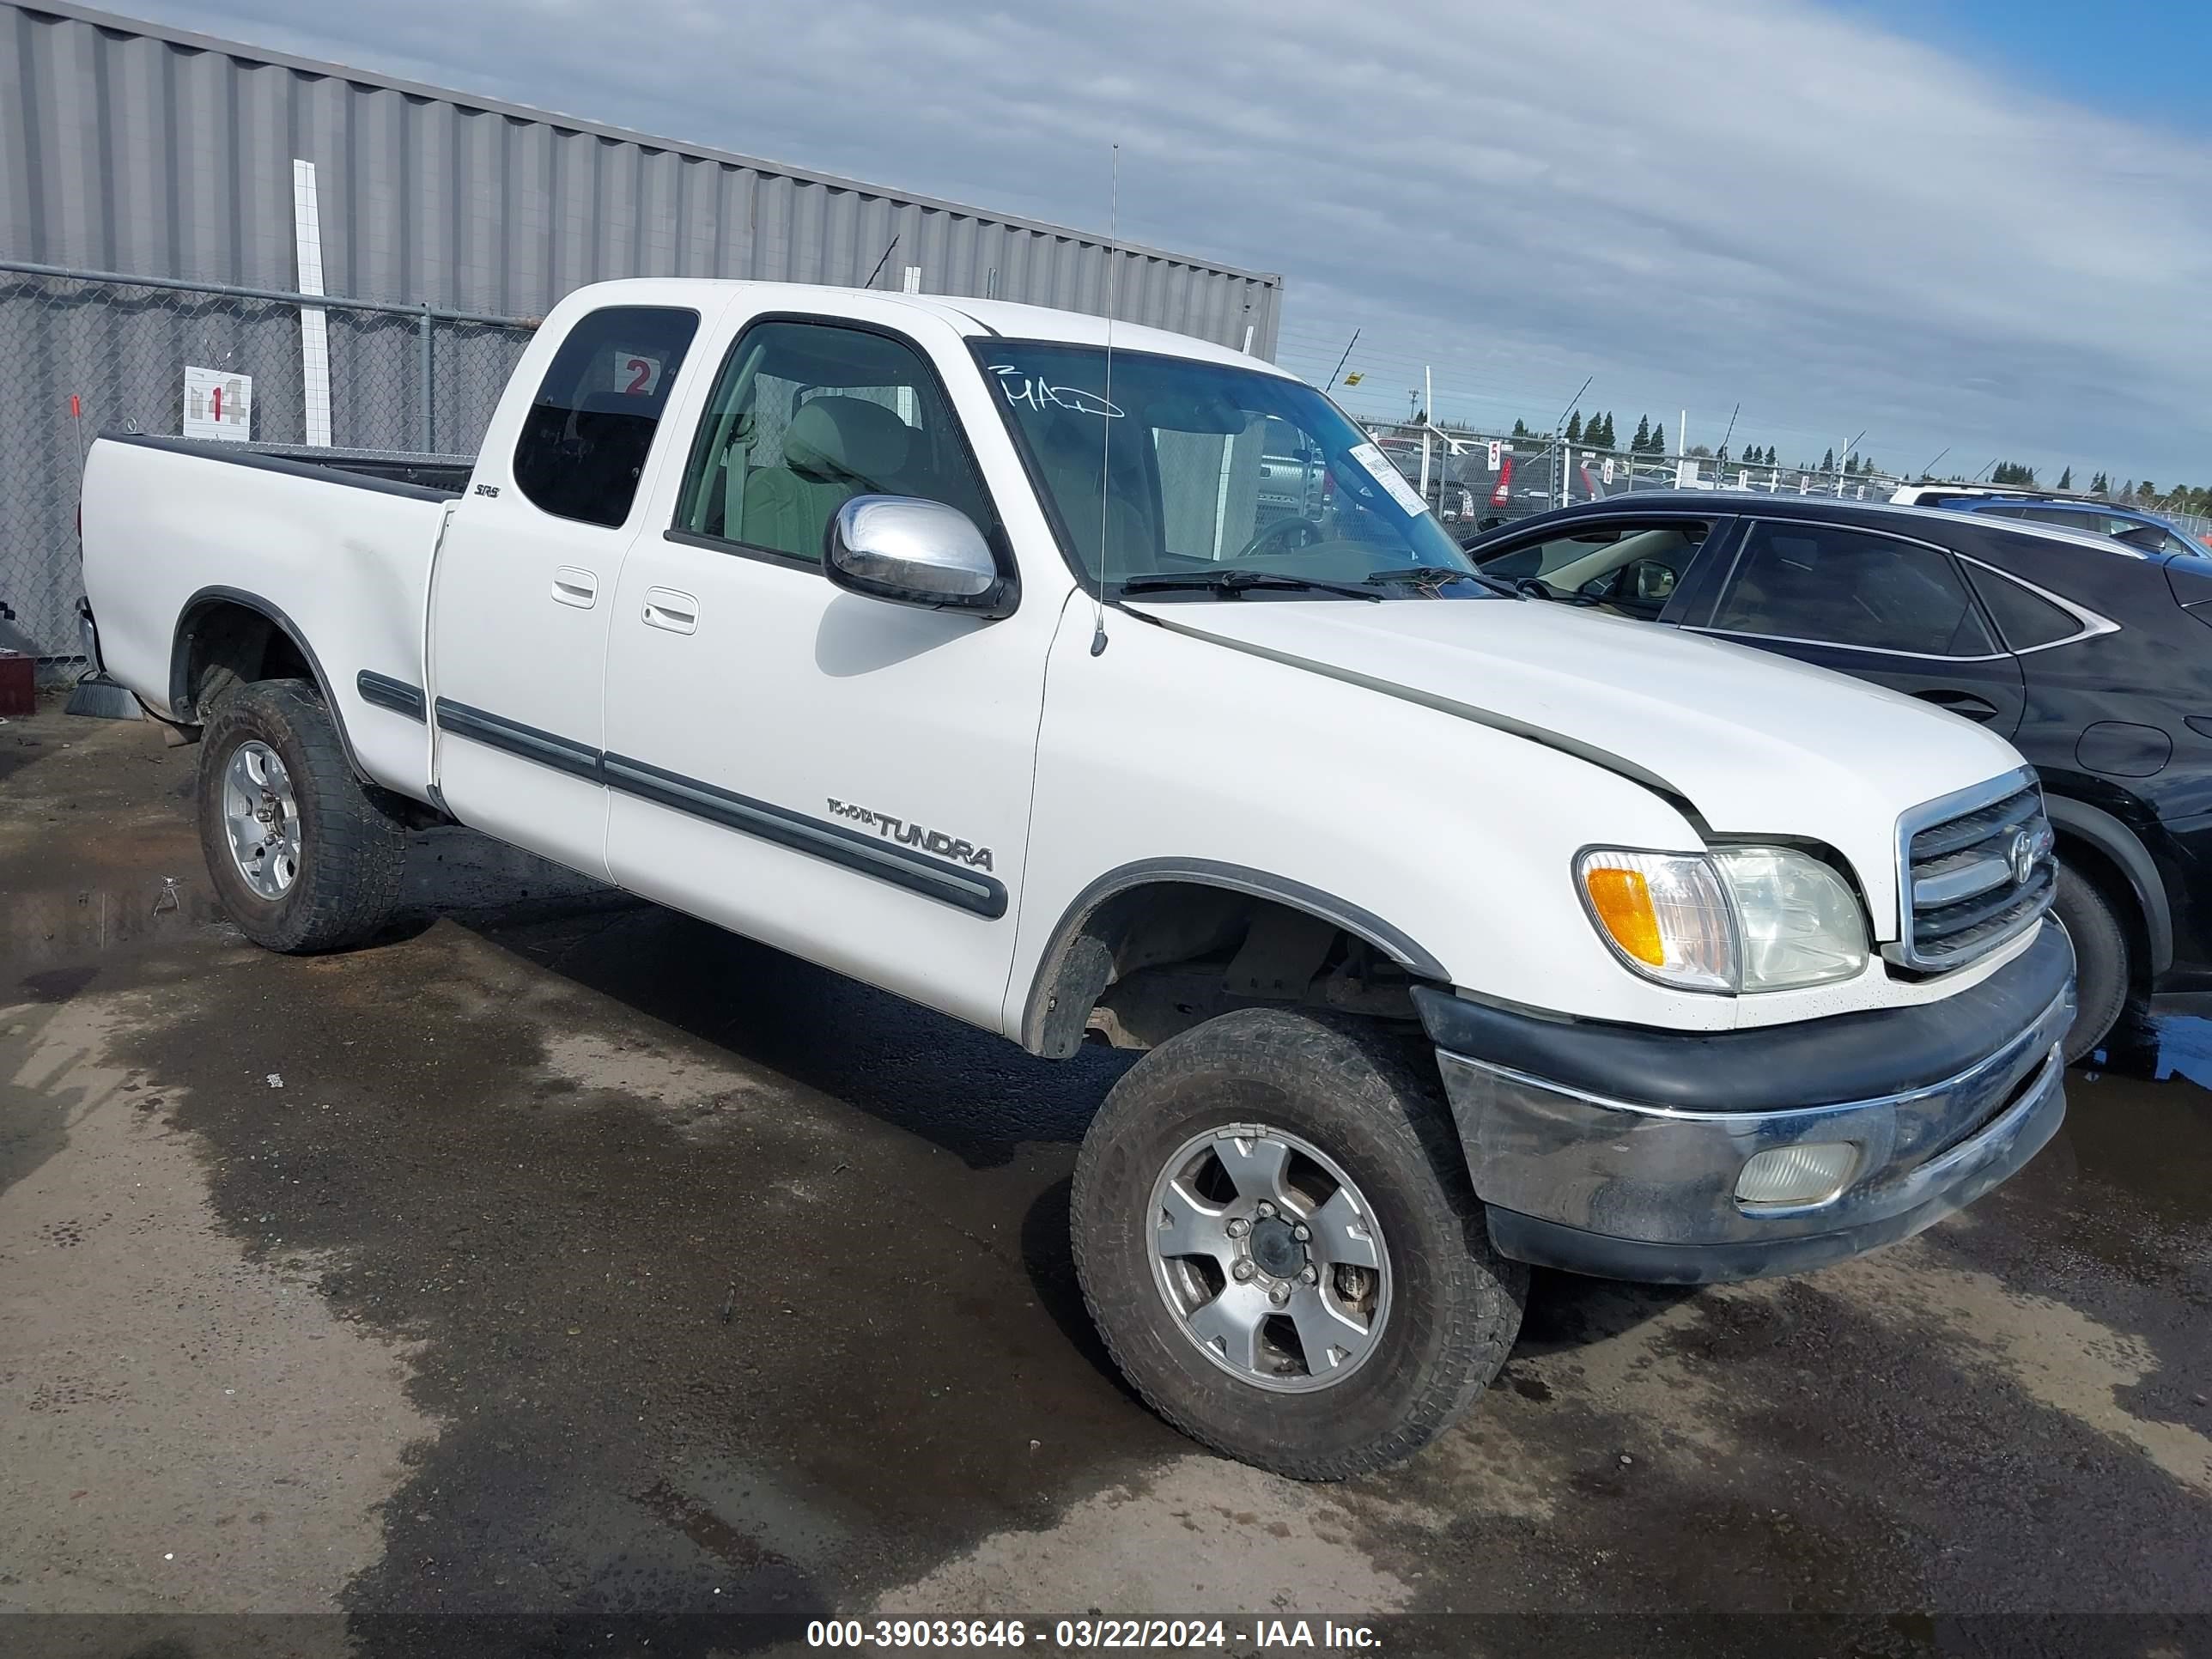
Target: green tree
x,y
1520,427
1828,461
1642,440
2099,484
2066,479
1770,455
1575,428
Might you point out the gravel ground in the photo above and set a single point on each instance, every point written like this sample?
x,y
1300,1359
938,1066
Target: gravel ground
x,y
570,1266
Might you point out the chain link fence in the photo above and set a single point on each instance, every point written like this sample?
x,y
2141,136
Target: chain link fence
x,y
83,352
1533,474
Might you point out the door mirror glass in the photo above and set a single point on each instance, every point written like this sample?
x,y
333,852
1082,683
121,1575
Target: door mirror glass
x,y
912,551
1650,582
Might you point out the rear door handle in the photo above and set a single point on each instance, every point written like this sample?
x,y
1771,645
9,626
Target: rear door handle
x,y
573,584
667,608
1960,702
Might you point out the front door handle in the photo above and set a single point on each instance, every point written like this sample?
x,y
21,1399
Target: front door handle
x,y
1960,702
573,584
667,608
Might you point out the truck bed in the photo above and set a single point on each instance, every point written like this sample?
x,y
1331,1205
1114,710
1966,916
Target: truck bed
x,y
333,546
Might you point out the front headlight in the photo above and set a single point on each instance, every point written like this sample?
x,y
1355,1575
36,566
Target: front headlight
x,y
1736,919
1797,922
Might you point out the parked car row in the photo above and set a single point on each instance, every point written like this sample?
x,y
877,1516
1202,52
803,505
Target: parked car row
x,y
2145,532
2087,651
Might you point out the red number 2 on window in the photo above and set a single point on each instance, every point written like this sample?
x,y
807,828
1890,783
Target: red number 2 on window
x,y
643,366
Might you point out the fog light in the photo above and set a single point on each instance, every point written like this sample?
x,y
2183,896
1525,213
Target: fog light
x,y
1797,1175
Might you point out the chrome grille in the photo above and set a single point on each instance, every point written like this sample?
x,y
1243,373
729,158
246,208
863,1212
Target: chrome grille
x,y
1975,869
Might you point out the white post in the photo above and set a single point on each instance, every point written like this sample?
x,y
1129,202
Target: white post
x,y
1428,420
1221,496
1682,434
314,322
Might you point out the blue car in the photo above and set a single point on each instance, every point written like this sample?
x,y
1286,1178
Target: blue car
x,y
2121,523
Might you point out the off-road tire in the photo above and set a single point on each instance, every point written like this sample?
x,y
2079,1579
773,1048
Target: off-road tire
x,y
353,846
2103,969
1370,1099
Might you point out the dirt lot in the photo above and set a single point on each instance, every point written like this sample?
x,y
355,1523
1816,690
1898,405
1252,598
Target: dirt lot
x,y
567,1264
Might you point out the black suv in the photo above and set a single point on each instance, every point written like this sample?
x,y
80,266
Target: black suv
x,y
2093,656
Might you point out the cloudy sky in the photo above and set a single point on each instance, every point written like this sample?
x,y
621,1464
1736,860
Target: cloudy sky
x,y
1983,224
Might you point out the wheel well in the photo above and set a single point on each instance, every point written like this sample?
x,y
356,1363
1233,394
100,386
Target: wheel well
x,y
2097,867
222,643
1154,959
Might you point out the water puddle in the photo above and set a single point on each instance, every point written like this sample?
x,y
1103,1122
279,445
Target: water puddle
x,y
42,930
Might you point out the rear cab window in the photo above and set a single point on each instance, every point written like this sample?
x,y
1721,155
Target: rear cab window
x,y
589,428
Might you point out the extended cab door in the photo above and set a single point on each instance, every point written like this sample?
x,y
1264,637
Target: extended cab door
x,y
844,777
523,587
1878,606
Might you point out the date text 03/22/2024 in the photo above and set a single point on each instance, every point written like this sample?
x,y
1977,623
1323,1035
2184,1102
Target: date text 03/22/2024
x,y
1166,1635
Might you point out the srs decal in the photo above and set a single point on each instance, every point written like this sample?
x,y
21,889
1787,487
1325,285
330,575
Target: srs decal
x,y
913,835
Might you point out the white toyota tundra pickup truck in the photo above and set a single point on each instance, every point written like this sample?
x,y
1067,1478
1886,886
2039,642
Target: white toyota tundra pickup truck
x,y
954,645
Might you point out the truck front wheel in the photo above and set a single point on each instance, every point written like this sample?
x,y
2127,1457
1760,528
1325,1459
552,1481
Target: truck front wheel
x,y
1277,1238
304,856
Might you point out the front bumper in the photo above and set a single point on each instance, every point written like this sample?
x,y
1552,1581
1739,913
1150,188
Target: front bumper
x,y
1621,1158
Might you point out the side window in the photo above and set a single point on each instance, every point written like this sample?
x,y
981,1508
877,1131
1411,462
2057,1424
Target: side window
x,y
2026,619
805,417
2066,518
1638,565
589,430
1823,583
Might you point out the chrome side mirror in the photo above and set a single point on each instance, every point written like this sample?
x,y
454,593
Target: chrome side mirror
x,y
912,551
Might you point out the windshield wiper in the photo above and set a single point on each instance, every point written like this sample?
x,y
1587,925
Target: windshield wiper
x,y
1434,575
1536,587
1241,581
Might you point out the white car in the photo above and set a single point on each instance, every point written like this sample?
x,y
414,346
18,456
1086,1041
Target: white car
x,y
934,641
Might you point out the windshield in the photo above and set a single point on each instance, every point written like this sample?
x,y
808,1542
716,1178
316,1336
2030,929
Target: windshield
x,y
1214,477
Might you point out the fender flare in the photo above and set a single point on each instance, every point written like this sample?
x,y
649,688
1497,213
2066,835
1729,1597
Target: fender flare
x,y
1064,971
181,703
2117,842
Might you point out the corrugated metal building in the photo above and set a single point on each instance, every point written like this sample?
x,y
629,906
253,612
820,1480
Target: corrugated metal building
x,y
125,146
129,146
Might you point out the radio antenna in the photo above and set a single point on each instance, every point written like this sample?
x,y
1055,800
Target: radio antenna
x,y
1106,414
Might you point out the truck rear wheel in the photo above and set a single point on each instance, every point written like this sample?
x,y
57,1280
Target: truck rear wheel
x,y
1277,1238
304,856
